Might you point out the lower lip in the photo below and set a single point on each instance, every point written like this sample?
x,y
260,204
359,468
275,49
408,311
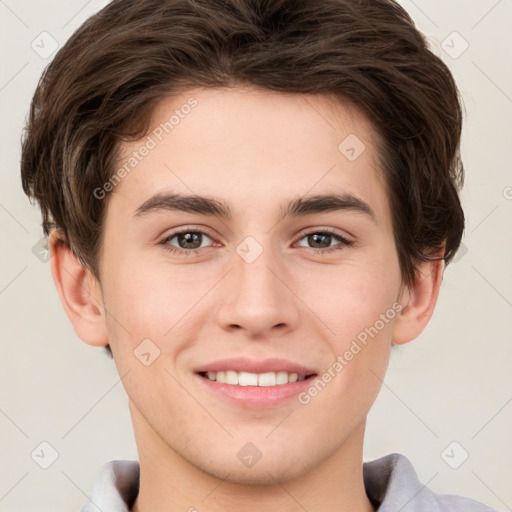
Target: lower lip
x,y
257,396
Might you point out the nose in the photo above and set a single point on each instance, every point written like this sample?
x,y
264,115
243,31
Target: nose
x,y
259,298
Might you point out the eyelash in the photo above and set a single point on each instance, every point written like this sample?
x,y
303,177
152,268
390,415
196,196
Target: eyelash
x,y
343,242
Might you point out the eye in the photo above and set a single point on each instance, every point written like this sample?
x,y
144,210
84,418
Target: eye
x,y
321,240
186,241
190,241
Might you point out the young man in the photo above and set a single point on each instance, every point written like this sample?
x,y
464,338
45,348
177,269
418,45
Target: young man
x,y
248,203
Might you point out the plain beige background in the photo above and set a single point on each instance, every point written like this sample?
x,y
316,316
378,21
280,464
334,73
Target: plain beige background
x,y
446,396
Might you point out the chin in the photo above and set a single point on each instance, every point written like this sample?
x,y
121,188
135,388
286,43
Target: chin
x,y
252,476
264,472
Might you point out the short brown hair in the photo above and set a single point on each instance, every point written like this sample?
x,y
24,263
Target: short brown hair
x,y
103,85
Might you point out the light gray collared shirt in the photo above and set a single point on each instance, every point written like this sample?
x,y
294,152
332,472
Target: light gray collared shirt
x,y
390,483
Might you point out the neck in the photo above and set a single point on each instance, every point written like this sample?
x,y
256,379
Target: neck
x,y
168,482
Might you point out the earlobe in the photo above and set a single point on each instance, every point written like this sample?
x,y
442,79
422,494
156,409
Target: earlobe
x,y
418,302
79,292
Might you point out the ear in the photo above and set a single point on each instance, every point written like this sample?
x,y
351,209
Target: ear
x,y
418,302
79,292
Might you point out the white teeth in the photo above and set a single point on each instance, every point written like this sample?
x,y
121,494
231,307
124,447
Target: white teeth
x,y
254,379
246,379
231,377
282,378
267,379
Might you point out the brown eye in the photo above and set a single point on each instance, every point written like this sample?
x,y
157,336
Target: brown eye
x,y
190,240
324,240
319,240
186,241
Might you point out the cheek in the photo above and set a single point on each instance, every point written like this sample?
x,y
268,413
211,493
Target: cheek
x,y
353,296
361,316
135,301
155,300
357,303
139,306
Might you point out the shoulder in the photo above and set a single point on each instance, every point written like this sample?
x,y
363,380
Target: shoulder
x,y
392,484
115,487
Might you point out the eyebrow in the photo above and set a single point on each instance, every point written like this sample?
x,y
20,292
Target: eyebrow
x,y
299,207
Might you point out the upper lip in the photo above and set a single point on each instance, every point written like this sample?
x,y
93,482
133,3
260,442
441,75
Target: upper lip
x,y
244,364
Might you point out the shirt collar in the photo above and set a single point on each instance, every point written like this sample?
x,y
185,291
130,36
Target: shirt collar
x,y
391,484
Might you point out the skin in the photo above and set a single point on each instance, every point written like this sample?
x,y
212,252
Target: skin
x,y
256,150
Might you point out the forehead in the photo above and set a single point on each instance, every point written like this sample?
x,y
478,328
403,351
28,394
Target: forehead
x,y
248,145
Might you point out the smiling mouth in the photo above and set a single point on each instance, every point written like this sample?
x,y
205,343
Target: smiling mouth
x,y
268,379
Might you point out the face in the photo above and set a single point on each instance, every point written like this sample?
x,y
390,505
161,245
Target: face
x,y
280,262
